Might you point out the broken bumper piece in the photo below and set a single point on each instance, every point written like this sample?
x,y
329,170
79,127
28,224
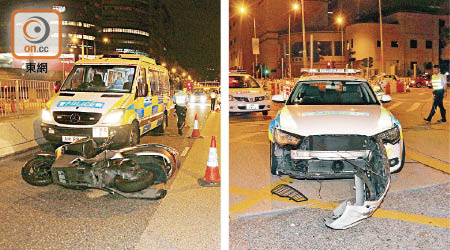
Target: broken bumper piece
x,y
371,185
347,215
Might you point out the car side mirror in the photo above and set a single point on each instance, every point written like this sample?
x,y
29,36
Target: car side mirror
x,y
278,98
385,98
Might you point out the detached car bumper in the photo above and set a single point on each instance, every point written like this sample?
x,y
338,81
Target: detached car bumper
x,y
55,133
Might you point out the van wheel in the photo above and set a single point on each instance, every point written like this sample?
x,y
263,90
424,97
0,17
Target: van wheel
x,y
134,135
164,123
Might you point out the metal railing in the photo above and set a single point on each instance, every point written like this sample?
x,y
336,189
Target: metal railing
x,y
23,96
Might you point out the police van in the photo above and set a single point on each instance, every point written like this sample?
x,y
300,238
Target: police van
x,y
246,94
118,96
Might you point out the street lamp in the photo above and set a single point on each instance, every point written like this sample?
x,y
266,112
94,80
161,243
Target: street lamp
x,y
242,10
174,70
340,22
183,74
303,32
294,8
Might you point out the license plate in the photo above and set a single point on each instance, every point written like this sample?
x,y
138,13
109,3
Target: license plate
x,y
100,132
71,138
252,106
61,177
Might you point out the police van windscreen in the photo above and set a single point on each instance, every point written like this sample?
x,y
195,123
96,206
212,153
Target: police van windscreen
x,y
332,93
100,78
243,82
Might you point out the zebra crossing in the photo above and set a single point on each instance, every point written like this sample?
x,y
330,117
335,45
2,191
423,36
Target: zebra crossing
x,y
409,106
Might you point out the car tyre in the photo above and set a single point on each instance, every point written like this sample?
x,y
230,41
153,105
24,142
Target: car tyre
x,y
265,112
418,85
134,135
36,171
273,161
402,163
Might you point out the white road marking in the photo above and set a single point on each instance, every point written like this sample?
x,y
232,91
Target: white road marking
x,y
393,106
184,153
96,193
413,107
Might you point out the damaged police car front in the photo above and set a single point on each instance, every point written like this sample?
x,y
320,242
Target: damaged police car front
x,y
334,126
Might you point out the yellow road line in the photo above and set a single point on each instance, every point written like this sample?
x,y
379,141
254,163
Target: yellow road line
x,y
256,196
434,163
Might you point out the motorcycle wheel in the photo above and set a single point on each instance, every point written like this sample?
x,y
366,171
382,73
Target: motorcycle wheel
x,y
128,186
37,172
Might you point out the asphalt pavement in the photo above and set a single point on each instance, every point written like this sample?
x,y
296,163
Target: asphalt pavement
x,y
414,215
53,217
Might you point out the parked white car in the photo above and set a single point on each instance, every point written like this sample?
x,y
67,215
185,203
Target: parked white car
x,y
247,95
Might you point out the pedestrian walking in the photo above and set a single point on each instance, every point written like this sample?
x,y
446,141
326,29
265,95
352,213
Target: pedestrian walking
x,y
213,100
439,91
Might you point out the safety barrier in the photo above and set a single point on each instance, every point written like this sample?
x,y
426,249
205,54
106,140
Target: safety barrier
x,y
23,96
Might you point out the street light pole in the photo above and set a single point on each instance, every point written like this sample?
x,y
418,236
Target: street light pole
x,y
254,32
289,41
381,39
303,31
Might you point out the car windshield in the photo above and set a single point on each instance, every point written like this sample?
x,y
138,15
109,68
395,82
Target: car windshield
x,y
332,93
100,78
243,82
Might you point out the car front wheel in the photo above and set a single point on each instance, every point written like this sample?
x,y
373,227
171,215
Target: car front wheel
x,y
273,160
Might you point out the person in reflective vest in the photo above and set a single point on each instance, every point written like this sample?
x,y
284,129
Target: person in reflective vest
x,y
180,99
439,89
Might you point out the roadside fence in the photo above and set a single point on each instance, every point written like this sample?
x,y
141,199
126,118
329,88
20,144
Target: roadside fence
x,y
23,96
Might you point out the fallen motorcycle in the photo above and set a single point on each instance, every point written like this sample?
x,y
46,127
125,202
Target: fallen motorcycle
x,y
128,171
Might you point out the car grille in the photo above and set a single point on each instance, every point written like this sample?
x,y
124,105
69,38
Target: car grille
x,y
335,142
76,118
251,99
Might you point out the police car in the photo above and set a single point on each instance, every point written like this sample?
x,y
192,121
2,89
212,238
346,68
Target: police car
x,y
246,94
325,126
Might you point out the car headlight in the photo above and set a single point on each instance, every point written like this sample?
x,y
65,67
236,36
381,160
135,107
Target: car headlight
x,y
114,117
391,136
46,115
283,138
413,81
231,98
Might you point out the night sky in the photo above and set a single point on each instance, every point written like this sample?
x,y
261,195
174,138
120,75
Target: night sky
x,y
190,32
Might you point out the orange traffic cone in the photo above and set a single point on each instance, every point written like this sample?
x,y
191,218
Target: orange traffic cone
x,y
196,131
212,175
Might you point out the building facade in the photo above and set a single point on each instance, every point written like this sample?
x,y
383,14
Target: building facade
x,y
95,26
409,38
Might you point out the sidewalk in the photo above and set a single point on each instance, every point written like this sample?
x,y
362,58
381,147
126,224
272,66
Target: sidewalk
x,y
194,222
19,134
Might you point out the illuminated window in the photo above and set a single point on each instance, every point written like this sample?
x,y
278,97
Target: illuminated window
x,y
122,30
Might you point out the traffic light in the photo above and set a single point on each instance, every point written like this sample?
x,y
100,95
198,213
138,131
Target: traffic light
x,y
370,62
316,52
350,56
189,86
365,62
